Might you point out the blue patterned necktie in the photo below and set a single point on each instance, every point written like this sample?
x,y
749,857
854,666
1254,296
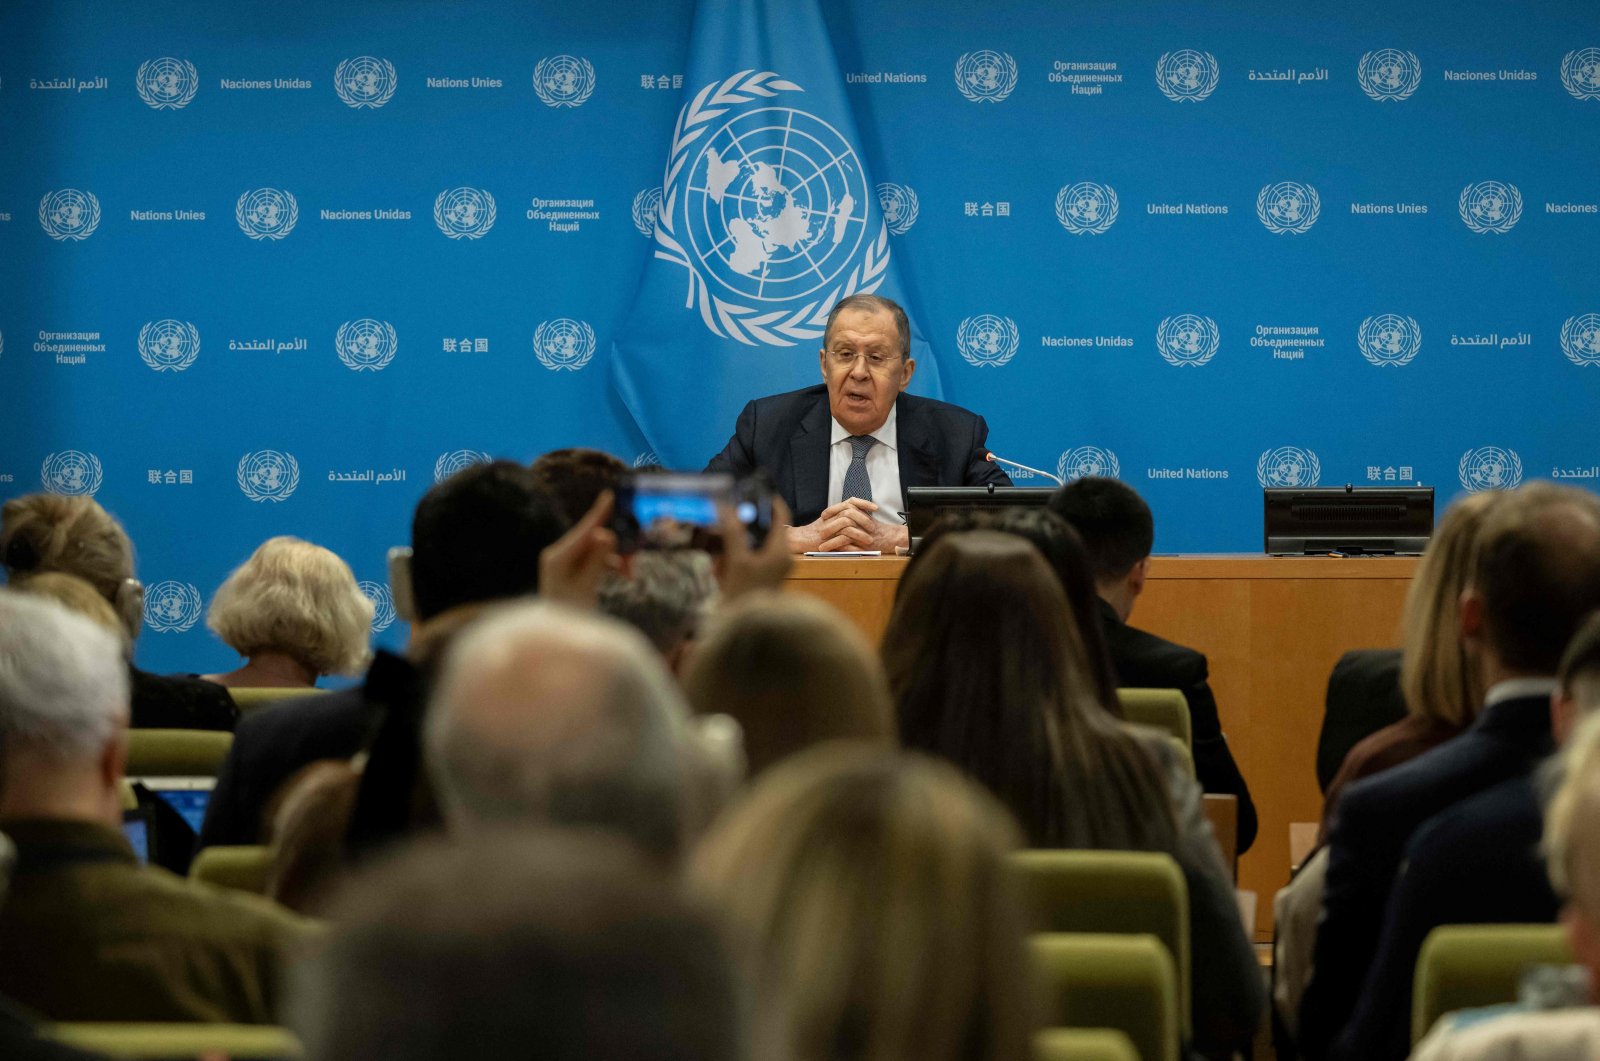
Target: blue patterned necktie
x,y
856,483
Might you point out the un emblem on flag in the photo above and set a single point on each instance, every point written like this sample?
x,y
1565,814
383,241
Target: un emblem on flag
x,y
1288,207
72,472
1490,468
900,207
1086,207
167,84
169,345
1389,339
1580,73
563,344
267,213
1288,466
464,213
454,461
986,76
1187,339
1580,339
366,344
268,475
69,214
563,80
768,209
1088,462
1490,206
365,82
646,205
987,340
1389,74
171,607
1187,75
383,615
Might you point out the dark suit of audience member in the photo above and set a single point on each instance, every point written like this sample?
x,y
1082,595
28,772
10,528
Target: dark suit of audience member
x,y
1389,747
1363,697
1476,863
176,701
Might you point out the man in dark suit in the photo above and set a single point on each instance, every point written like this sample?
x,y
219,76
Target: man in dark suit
x,y
842,453
1118,532
1536,575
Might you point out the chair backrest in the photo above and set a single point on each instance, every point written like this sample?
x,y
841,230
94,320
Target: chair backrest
x,y
1111,892
1126,983
248,700
1461,966
1083,1044
245,1042
177,752
244,867
1164,709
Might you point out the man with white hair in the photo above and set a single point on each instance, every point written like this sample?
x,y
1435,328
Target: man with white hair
x,y
550,715
86,932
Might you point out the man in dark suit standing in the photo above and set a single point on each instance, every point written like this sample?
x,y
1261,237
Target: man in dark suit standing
x,y
842,453
1535,578
1118,532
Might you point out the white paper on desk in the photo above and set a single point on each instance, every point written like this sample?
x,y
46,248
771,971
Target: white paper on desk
x,y
850,555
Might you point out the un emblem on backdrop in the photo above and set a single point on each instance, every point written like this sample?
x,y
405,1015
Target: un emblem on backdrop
x,y
457,459
1490,206
986,76
1580,73
768,210
464,213
563,80
167,84
382,604
1389,339
72,472
1288,207
647,459
900,207
563,343
268,475
1288,466
69,214
1580,339
1187,339
1187,75
1086,207
169,345
267,213
987,340
171,607
1389,74
365,81
646,206
1088,462
1490,468
366,344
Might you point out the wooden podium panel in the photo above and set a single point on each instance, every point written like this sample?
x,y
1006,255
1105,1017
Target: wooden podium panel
x,y
1272,628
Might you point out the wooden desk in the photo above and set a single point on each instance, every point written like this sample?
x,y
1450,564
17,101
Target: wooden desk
x,y
1272,628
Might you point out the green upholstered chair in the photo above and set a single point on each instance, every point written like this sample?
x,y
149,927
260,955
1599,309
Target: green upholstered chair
x,y
1120,892
1164,709
1083,1044
248,700
1126,983
176,752
243,867
1461,966
242,1042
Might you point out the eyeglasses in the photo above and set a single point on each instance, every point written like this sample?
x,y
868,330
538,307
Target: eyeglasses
x,y
875,362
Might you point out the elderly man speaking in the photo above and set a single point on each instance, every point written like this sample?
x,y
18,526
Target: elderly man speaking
x,y
842,453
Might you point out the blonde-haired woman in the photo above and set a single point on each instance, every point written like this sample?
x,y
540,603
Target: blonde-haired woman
x,y
295,612
869,890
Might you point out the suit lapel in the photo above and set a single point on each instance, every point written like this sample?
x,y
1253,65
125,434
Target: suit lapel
x,y
919,465
808,456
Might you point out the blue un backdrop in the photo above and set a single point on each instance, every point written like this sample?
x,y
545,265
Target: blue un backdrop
x,y
271,268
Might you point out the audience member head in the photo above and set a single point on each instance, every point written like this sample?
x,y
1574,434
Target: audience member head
x,y
1114,523
543,714
872,893
794,672
298,600
666,595
1577,694
988,671
575,477
1572,842
1438,678
75,536
1535,577
557,944
477,537
76,595
63,713
1063,549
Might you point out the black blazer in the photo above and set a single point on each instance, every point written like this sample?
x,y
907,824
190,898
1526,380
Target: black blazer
x,y
178,701
939,444
1375,820
1363,697
1144,661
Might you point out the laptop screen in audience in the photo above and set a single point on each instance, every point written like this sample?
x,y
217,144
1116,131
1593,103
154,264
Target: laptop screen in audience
x,y
136,830
186,795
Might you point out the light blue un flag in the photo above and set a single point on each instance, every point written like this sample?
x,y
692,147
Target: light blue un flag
x,y
767,218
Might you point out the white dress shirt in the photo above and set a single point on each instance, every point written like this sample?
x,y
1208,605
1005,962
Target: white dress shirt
x,y
883,469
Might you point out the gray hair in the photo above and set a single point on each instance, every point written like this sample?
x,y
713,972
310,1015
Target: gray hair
x,y
872,304
63,680
545,714
667,599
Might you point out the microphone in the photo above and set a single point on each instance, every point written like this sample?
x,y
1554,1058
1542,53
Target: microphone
x,y
991,458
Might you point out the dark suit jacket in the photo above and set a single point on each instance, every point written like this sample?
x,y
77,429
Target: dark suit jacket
x,y
178,701
787,435
1144,661
1363,697
1375,820
1476,863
